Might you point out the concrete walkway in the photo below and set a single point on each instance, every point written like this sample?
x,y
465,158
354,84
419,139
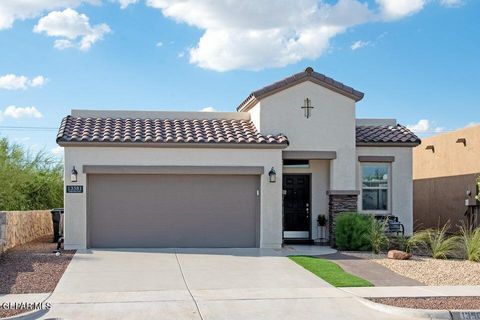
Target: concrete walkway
x,y
371,271
199,284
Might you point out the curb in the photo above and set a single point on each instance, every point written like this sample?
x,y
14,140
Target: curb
x,y
28,315
418,313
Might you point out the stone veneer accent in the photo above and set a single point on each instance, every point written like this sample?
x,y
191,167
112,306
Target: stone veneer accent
x,y
338,204
19,227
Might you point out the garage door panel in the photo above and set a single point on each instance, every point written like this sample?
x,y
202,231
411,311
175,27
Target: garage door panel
x,y
173,210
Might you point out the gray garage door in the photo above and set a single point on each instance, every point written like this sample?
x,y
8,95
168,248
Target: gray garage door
x,y
172,211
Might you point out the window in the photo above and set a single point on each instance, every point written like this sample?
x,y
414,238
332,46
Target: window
x,y
375,186
296,163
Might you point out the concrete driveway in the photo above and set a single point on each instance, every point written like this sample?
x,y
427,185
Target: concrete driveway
x,y
198,284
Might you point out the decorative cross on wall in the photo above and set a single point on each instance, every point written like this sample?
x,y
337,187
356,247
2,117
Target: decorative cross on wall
x,y
307,107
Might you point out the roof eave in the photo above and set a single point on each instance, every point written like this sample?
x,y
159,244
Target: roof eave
x,y
63,143
254,97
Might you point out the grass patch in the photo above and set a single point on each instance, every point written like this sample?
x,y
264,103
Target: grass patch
x,y
330,272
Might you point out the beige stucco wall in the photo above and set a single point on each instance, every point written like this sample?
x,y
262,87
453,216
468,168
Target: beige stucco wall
x,y
450,158
320,175
271,196
19,227
331,126
442,179
401,186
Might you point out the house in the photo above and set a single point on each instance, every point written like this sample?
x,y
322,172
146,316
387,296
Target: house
x,y
445,169
257,177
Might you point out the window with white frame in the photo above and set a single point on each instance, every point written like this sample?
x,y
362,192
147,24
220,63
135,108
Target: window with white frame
x,y
375,186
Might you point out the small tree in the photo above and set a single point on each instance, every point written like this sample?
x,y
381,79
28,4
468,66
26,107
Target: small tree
x,y
29,181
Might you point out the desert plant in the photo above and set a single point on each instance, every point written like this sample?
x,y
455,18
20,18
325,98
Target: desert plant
x,y
29,181
436,242
470,241
404,243
350,230
376,235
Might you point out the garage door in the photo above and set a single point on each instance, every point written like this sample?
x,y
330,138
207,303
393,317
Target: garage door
x,y
172,210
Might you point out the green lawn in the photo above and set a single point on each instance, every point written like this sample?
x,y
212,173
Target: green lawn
x,y
330,272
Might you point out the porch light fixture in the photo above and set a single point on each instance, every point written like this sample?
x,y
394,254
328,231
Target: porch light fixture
x,y
272,175
73,175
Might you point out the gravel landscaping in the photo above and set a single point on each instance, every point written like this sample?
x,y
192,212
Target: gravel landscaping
x,y
31,268
433,303
432,272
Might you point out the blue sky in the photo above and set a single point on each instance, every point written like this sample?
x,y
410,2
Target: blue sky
x,y
415,60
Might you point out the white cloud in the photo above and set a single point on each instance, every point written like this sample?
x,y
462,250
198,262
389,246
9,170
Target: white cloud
x,y
257,34
14,82
38,81
21,112
359,44
472,124
452,3
57,151
73,29
424,126
397,9
11,10
125,3
208,109
159,44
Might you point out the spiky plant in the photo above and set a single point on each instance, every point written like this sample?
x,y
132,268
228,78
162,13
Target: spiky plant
x,y
376,235
436,241
470,241
405,243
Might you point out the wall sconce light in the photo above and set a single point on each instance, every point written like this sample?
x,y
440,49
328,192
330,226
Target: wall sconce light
x,y
272,175
430,147
462,140
73,175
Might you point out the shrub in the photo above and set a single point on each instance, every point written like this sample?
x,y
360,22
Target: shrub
x,y
350,231
436,242
470,240
29,181
376,235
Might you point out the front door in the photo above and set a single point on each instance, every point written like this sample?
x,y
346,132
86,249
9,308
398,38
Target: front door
x,y
296,207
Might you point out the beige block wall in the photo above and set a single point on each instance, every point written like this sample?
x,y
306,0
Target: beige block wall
x,y
450,158
19,227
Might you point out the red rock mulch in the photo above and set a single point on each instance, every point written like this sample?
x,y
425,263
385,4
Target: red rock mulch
x,y
434,303
32,268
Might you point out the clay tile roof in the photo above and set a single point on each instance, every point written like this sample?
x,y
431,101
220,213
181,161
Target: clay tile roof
x,y
162,131
308,75
385,134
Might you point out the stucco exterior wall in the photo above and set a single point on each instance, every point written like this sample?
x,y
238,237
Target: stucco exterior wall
x,y
331,126
445,179
271,196
401,186
319,172
19,227
450,158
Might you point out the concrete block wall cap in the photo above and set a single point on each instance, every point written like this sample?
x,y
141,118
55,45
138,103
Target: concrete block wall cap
x,y
407,312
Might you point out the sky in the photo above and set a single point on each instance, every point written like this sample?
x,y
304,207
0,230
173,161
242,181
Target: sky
x,y
416,60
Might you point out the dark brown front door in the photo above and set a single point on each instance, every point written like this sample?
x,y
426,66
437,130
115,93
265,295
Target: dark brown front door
x,y
296,206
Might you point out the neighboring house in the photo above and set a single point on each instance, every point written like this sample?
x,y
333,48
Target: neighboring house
x,y
252,178
445,168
